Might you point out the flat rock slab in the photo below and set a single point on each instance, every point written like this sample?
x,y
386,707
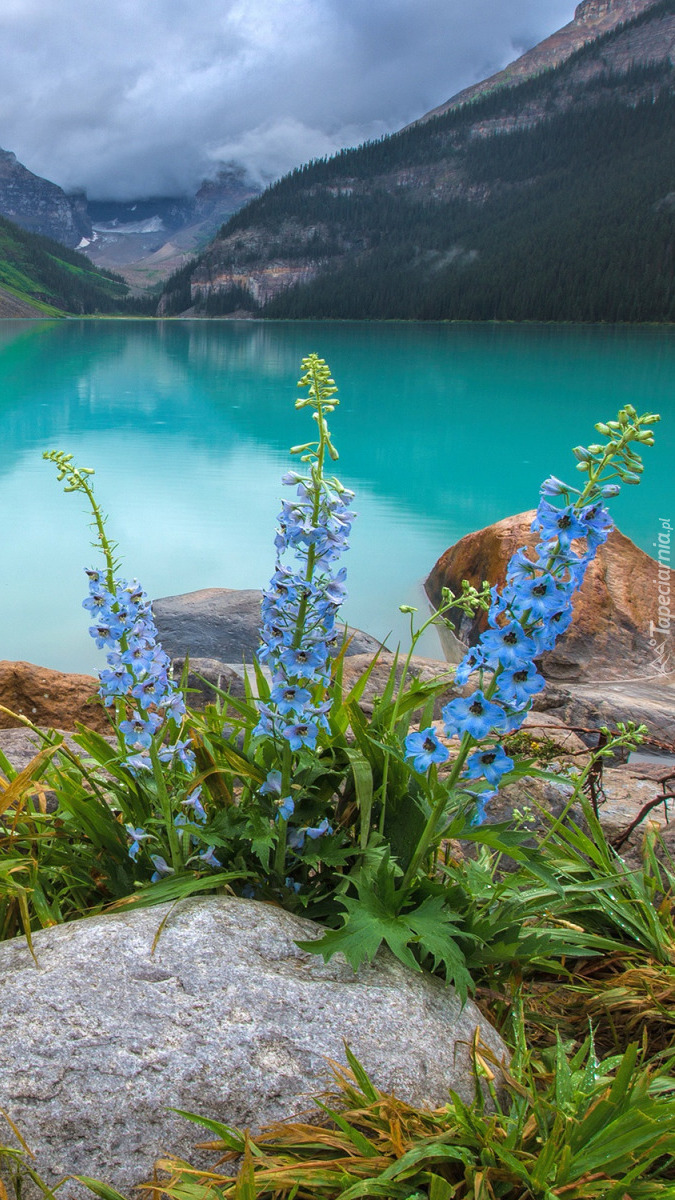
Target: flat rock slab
x,y
586,707
223,624
226,1018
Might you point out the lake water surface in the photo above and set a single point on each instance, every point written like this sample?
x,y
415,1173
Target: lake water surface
x,y
441,429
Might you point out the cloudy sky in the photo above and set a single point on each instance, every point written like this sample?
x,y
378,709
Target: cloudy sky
x,y
132,98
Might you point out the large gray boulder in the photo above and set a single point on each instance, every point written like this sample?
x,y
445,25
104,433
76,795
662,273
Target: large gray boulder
x,y
223,624
223,1016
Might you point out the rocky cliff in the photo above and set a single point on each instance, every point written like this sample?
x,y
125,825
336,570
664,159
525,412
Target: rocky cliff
x,y
40,206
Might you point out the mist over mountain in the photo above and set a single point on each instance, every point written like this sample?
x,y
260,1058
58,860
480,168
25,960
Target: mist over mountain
x,y
128,101
146,239
547,195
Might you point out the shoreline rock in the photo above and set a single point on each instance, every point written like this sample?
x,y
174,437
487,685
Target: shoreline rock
x,y
225,1016
223,624
55,699
613,637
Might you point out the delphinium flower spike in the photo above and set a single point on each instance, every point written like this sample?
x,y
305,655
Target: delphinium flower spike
x,y
137,681
534,607
299,635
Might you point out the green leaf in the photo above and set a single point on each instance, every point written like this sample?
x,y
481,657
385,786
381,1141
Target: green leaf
x,y
177,887
231,1138
373,919
367,925
361,1076
99,1189
434,928
358,1139
363,784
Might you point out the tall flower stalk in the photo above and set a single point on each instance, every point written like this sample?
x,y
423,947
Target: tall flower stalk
x,y
136,683
299,635
525,619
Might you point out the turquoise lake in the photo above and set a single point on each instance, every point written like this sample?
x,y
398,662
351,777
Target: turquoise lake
x,y
442,429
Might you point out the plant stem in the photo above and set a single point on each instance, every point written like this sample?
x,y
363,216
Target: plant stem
x,y
165,804
429,830
286,773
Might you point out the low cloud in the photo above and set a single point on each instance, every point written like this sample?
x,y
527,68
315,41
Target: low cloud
x,y
130,100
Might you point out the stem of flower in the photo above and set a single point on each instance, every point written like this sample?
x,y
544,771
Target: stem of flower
x,y
429,830
317,479
286,773
165,804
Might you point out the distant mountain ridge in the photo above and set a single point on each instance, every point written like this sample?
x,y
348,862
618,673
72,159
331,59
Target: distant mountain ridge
x,y
592,19
40,206
549,198
153,235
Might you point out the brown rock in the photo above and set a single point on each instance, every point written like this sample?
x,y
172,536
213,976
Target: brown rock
x,y
49,698
615,634
545,727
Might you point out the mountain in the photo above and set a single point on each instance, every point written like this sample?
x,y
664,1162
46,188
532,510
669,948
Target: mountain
x,y
546,194
40,206
148,239
145,239
592,19
41,278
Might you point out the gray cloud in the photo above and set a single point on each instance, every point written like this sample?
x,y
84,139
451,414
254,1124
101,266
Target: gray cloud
x,y
130,99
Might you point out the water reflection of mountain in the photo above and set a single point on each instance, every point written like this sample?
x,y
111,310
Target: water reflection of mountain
x,y
453,423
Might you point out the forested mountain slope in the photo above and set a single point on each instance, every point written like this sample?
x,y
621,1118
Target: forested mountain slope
x,y
40,277
552,199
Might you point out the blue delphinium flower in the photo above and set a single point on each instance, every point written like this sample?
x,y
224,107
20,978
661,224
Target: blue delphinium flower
x,y
285,807
561,523
507,644
424,749
209,858
299,634
272,784
473,715
162,868
137,836
300,606
138,670
194,802
490,763
525,618
301,734
516,686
